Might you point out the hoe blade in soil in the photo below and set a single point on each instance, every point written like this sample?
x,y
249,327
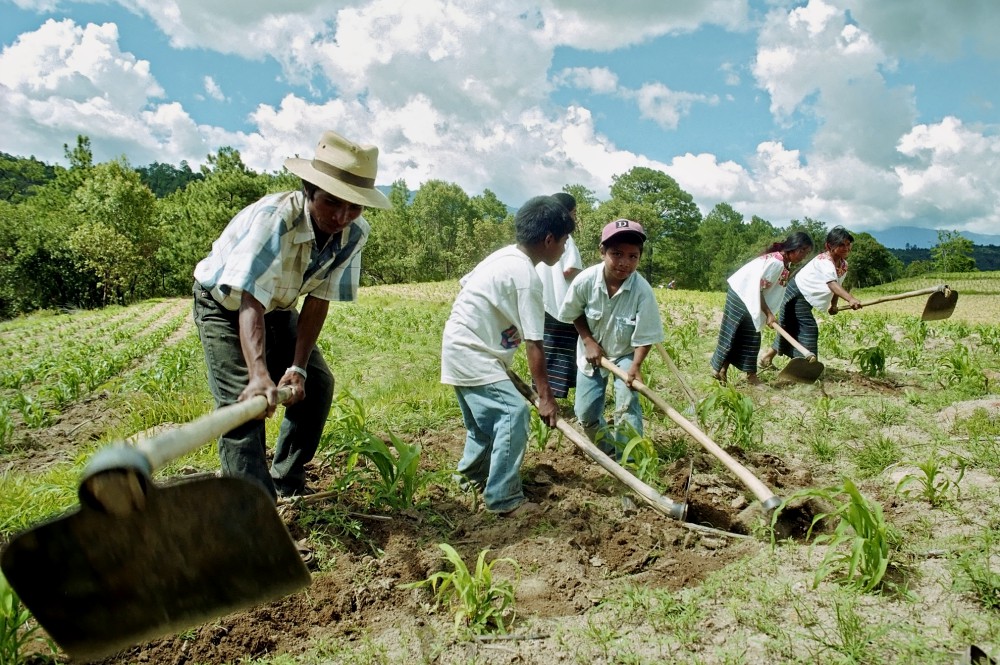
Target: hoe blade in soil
x,y
99,582
802,370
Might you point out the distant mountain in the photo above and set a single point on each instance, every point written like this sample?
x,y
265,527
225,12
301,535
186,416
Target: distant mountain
x,y
900,236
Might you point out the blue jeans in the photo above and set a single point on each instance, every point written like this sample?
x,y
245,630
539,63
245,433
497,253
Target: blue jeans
x,y
496,417
589,409
242,451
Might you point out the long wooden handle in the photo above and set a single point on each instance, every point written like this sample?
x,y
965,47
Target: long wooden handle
x,y
794,342
174,443
677,374
656,500
759,489
899,296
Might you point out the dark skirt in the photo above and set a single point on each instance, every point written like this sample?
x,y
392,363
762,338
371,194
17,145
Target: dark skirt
x,y
560,355
795,315
739,341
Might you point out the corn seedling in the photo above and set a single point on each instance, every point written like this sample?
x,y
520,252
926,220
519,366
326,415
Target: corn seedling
x,y
933,486
539,431
640,456
33,412
871,360
959,367
733,414
17,630
860,548
480,602
989,336
6,428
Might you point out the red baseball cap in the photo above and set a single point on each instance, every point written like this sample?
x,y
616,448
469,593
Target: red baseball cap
x,y
612,229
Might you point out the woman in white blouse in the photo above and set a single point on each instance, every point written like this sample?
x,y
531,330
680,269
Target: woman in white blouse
x,y
754,293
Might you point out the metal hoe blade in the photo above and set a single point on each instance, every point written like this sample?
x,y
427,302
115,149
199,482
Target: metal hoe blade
x,y
940,305
802,370
98,582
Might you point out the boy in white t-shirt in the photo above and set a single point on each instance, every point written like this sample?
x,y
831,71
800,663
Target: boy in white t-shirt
x,y
818,284
498,307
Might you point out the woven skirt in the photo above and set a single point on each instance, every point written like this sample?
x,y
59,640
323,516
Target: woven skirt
x,y
795,315
739,341
560,355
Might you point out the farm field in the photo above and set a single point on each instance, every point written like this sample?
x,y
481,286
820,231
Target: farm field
x,y
906,411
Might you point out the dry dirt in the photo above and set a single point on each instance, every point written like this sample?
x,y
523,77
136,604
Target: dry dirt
x,y
588,539
586,543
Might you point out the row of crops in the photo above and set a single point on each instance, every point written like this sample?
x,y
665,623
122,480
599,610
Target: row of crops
x,y
48,367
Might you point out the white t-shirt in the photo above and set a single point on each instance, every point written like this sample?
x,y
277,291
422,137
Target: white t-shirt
x,y
500,304
554,282
619,324
764,275
814,276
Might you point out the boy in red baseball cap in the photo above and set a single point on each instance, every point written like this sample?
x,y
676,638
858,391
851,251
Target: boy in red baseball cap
x,y
614,310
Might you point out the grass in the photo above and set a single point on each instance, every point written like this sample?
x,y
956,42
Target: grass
x,y
763,606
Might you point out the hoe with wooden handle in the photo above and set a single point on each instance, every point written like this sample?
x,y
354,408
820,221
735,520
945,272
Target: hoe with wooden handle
x,y
940,304
657,501
803,370
136,561
766,497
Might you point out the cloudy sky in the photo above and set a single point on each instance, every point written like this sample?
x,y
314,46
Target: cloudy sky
x,y
868,113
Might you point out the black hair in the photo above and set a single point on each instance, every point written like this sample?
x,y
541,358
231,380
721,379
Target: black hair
x,y
566,200
539,217
838,235
310,189
797,240
627,238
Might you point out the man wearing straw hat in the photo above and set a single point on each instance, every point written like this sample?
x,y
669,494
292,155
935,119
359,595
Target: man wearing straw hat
x,y
277,250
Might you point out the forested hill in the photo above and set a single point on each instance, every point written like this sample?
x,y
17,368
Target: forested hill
x,y
987,257
88,234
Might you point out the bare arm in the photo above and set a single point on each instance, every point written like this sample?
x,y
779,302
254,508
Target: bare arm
x,y
251,318
840,292
547,409
592,350
638,356
769,317
311,319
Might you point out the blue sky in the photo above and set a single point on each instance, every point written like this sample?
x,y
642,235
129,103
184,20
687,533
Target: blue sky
x,y
867,113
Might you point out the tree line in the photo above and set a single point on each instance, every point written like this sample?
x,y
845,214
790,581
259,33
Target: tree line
x,y
88,234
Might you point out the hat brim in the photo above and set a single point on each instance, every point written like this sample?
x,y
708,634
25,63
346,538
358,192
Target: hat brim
x,y
637,235
304,169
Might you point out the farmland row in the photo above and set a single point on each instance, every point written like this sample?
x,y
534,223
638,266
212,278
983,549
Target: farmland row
x,y
55,324
41,390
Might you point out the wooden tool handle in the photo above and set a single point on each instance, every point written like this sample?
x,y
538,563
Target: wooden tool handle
x,y
175,443
677,374
899,296
656,500
794,342
759,489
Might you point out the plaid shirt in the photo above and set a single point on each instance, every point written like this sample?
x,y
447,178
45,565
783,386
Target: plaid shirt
x,y
269,250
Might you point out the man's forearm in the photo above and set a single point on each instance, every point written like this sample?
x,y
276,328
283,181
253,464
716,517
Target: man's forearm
x,y
252,335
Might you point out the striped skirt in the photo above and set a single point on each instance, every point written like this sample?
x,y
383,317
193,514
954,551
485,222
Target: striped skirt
x,y
795,315
739,341
560,355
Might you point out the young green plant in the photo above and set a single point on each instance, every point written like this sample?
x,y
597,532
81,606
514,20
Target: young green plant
x,y
933,486
480,602
860,549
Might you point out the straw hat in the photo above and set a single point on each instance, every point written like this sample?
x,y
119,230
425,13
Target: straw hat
x,y
342,168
